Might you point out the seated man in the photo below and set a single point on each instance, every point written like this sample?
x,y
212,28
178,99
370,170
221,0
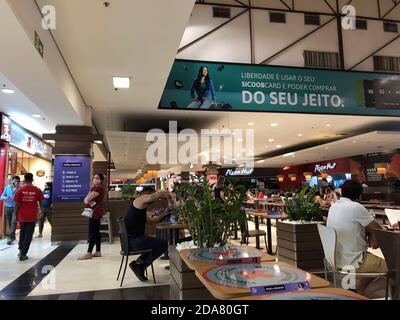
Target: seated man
x,y
136,220
355,232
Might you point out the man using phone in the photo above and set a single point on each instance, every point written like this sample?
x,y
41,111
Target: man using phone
x,y
136,218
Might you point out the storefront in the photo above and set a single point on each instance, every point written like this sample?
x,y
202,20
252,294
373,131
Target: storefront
x,y
22,152
256,179
378,172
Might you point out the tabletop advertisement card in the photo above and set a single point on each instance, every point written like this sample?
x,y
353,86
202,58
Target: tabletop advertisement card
x,y
280,288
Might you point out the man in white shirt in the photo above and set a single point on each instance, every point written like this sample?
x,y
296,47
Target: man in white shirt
x,y
355,229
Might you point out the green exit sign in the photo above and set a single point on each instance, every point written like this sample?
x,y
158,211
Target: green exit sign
x,y
39,44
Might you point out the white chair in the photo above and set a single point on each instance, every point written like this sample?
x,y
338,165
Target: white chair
x,y
328,239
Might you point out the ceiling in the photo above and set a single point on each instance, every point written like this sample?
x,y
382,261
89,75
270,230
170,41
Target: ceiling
x,y
140,39
372,142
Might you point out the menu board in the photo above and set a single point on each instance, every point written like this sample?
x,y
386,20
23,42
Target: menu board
x,y
373,176
71,178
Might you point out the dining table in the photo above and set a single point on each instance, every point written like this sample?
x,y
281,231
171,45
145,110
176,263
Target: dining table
x,y
233,281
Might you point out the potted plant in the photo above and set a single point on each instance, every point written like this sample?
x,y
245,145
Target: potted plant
x,y
127,191
211,222
298,240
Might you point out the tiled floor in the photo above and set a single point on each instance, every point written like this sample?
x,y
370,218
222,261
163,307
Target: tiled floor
x,y
11,268
81,280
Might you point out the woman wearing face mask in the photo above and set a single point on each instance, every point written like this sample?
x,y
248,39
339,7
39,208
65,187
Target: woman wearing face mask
x,y
94,200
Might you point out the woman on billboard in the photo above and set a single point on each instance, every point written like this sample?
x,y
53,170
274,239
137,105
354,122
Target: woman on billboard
x,y
202,91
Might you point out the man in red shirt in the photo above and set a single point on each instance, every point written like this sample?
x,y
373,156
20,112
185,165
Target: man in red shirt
x,y
26,201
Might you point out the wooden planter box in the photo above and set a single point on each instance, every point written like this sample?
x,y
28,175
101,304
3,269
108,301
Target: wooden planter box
x,y
184,284
300,245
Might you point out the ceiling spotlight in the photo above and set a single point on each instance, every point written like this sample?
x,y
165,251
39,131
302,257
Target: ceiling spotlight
x,y
122,82
260,161
328,124
98,142
36,115
271,140
354,141
279,146
274,124
300,135
251,123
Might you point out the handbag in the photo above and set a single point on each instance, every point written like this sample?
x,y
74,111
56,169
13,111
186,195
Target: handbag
x,y
88,213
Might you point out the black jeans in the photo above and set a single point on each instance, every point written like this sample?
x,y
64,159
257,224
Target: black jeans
x,y
25,236
12,223
159,246
47,212
94,235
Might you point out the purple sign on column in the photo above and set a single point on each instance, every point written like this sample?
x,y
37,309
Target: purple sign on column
x,y
71,178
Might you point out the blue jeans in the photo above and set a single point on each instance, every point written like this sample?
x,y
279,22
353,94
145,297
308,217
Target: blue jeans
x,y
159,246
207,103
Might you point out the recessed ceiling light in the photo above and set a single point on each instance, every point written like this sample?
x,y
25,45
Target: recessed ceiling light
x,y
260,161
328,124
271,140
288,154
326,148
251,123
300,135
122,82
354,141
7,91
274,124
36,115
98,142
279,146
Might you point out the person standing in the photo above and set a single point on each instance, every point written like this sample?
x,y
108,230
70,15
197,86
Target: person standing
x,y
135,220
27,198
48,207
94,200
218,192
8,196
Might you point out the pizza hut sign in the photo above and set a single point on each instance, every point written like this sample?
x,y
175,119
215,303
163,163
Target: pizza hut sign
x,y
239,172
324,167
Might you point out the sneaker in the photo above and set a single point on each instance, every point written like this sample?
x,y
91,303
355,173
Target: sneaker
x,y
9,242
97,255
23,258
19,254
39,236
138,270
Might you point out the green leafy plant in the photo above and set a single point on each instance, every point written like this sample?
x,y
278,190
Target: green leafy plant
x,y
303,206
127,191
210,221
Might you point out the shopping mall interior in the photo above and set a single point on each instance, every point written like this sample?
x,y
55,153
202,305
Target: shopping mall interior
x,y
252,147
